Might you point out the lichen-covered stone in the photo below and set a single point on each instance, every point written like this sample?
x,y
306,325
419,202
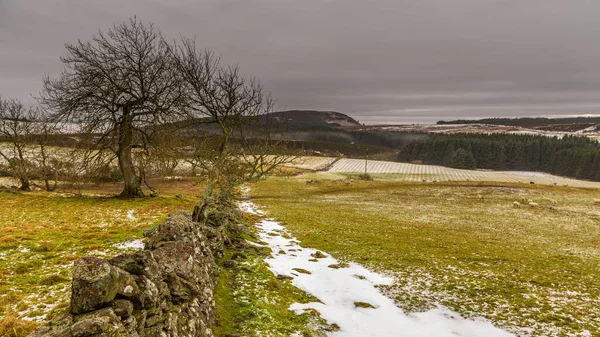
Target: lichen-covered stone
x,y
139,263
178,254
122,308
102,321
181,289
164,290
95,283
60,327
148,294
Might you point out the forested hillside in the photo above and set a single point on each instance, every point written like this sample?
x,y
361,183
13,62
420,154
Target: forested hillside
x,y
577,157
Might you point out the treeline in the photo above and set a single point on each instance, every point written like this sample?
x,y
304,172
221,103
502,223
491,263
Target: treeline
x,y
526,122
571,156
390,140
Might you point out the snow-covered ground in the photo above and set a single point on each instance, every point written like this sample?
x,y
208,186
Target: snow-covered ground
x,y
474,128
412,172
343,293
135,244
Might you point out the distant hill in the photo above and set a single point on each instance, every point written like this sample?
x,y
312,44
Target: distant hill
x,y
291,119
314,118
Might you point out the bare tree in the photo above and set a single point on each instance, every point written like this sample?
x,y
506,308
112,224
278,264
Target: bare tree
x,y
16,130
222,96
47,160
241,149
118,86
264,148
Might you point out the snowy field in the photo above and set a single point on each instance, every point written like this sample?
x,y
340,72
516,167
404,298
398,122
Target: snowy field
x,y
348,294
313,163
412,172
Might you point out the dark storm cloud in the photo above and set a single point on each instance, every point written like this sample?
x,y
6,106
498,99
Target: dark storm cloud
x,y
380,61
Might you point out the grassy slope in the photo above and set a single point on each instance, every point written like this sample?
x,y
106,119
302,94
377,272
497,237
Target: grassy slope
x,y
251,300
521,267
42,233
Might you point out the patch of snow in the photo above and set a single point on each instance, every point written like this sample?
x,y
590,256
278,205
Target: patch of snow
x,y
135,244
24,250
245,190
339,289
248,207
531,174
130,215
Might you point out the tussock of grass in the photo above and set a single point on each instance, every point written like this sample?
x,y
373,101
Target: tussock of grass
x,y
13,327
527,269
364,305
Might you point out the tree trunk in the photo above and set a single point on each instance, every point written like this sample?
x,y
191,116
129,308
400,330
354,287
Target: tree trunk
x,y
46,170
25,185
132,188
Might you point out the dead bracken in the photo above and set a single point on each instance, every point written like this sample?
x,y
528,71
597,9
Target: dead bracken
x,y
338,265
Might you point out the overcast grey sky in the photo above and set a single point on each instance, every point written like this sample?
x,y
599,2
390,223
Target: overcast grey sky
x,y
380,61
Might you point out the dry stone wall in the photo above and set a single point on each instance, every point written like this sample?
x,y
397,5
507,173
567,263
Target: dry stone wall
x,y
166,289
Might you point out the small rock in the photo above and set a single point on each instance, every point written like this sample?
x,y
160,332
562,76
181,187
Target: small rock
x,y
128,287
148,295
302,271
103,322
141,262
122,308
154,320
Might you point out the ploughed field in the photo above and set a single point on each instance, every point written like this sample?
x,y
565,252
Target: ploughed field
x,y
464,245
418,173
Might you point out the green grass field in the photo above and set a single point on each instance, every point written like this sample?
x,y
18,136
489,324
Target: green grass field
x,y
462,245
459,244
42,233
